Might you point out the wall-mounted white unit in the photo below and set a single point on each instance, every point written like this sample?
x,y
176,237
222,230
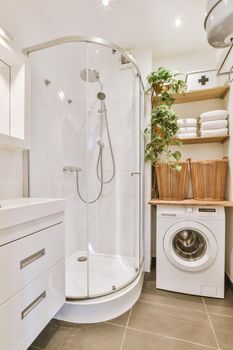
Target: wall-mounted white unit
x,y
14,98
219,22
32,268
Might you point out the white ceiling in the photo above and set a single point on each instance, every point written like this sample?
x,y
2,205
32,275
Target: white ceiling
x,y
128,23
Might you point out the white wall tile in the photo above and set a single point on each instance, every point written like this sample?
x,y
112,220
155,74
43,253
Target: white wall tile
x,y
11,173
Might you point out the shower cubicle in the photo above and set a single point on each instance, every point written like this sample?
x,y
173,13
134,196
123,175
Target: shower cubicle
x,y
92,94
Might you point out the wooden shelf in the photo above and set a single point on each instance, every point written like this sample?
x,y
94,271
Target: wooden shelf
x,y
197,140
157,201
200,95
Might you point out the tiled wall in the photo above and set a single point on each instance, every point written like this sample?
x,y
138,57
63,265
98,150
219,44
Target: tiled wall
x,y
11,174
54,143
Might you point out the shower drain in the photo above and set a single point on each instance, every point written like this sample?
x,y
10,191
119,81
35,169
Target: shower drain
x,y
82,258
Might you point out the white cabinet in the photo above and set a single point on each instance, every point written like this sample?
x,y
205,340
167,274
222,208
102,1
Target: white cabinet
x,y
32,269
14,98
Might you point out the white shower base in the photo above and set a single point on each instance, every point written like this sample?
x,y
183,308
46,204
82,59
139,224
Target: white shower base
x,y
104,272
97,276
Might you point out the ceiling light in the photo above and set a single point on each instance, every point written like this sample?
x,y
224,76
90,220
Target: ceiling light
x,y
105,2
178,22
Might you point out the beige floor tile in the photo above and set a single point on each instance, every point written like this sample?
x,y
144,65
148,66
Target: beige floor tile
x,y
150,293
98,337
65,324
221,306
174,322
150,276
121,320
223,327
135,340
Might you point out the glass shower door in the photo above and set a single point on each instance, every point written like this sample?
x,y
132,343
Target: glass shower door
x,y
113,175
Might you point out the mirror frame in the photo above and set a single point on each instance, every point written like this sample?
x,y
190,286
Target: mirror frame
x,y
19,137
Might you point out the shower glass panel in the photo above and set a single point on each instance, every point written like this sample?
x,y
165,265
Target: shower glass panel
x,y
93,103
113,138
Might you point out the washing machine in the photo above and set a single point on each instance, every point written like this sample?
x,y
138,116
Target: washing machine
x,y
190,248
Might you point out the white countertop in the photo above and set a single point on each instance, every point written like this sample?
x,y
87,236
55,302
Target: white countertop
x,y
20,210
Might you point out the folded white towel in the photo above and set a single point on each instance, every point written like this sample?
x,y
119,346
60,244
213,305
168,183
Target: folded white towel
x,y
214,115
214,124
186,122
214,132
187,130
187,135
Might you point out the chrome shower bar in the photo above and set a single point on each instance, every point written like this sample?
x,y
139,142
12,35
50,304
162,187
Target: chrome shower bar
x,y
85,39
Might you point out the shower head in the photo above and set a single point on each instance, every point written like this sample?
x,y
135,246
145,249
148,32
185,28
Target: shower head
x,y
90,75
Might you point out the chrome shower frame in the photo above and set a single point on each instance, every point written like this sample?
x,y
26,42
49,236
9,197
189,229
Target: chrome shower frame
x,y
85,39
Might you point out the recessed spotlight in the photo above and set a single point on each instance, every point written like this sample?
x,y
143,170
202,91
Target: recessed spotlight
x,y
178,22
105,2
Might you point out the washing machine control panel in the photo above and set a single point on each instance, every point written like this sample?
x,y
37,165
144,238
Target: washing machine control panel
x,y
203,212
173,211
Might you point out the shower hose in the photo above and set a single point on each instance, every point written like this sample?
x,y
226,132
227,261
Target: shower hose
x,y
99,164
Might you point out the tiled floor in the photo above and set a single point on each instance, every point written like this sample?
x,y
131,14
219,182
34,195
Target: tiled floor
x,y
159,321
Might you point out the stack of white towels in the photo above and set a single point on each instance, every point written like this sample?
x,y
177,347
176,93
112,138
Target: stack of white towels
x,y
187,128
214,123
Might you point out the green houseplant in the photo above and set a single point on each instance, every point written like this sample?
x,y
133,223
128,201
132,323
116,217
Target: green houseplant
x,y
171,174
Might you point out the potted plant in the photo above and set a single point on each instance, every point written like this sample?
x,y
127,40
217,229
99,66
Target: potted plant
x,y
171,173
162,84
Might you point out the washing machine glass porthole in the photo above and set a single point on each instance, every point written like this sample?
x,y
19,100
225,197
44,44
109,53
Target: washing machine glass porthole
x,y
189,245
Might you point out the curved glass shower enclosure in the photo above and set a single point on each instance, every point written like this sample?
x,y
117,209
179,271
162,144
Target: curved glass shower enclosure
x,y
95,95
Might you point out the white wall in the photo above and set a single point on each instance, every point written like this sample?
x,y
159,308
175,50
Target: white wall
x,y
188,61
11,174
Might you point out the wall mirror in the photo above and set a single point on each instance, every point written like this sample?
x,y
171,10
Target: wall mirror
x,y
5,78
14,97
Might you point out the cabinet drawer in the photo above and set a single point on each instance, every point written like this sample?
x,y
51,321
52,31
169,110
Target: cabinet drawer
x,y
24,316
24,260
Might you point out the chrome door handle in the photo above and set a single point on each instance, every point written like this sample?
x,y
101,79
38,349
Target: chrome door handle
x,y
135,173
32,306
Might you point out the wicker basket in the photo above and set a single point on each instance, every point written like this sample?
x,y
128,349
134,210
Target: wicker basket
x,y
209,179
172,184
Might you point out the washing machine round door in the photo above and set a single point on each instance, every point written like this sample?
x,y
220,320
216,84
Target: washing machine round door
x,y
190,246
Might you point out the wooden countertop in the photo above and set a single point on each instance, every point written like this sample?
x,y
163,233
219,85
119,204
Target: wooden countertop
x,y
156,201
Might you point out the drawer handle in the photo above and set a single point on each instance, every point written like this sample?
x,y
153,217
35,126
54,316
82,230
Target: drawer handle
x,y
30,259
32,306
